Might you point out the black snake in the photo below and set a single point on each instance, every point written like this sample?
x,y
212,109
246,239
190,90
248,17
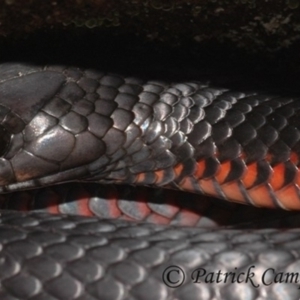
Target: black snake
x,y
62,124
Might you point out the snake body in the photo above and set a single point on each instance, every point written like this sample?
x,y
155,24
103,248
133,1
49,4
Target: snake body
x,y
62,124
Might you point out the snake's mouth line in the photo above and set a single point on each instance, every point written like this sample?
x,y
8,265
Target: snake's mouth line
x,y
65,176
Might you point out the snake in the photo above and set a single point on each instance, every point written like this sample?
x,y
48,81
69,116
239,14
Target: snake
x,y
61,124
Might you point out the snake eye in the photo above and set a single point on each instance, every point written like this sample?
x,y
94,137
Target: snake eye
x,y
5,138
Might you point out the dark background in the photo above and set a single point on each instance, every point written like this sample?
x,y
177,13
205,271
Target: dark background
x,y
222,63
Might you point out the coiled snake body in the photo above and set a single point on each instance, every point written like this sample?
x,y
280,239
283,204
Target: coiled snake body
x,y
62,124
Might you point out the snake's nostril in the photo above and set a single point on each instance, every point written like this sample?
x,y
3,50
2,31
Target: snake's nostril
x,y
5,138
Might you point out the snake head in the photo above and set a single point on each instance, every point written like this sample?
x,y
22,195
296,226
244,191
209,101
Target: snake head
x,y
48,128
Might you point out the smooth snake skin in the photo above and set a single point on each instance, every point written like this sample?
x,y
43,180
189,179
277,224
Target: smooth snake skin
x,y
62,124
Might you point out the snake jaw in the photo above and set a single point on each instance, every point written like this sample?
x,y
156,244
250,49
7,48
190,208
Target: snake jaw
x,y
53,157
